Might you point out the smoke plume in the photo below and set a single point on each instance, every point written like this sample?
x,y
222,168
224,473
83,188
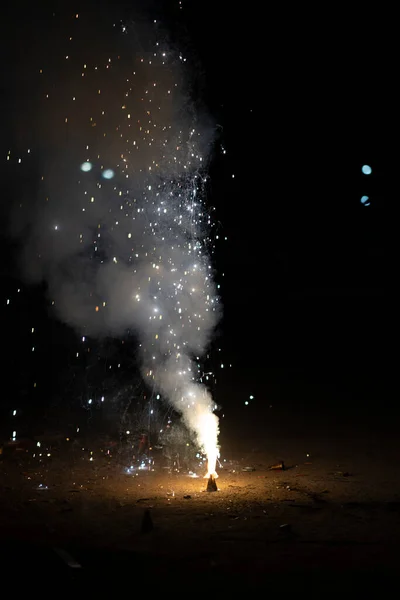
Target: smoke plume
x,y
116,224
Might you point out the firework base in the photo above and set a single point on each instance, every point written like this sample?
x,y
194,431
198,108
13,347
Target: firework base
x,y
212,484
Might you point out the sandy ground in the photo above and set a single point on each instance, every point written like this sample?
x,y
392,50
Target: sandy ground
x,y
333,511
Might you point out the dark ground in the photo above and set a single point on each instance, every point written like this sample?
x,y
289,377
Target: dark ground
x,y
329,522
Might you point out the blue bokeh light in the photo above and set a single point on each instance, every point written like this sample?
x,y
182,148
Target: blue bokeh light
x,y
366,169
86,167
108,174
365,200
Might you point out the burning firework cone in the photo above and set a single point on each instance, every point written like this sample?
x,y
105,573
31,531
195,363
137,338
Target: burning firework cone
x,y
147,522
212,484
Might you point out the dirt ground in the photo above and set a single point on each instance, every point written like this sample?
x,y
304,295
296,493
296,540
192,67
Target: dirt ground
x,y
333,510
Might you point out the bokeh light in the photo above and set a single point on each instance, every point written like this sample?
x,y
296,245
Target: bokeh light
x,y
366,169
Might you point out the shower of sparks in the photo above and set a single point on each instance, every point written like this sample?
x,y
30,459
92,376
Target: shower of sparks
x,y
121,232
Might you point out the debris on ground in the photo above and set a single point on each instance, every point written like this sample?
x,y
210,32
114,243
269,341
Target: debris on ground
x,y
343,474
278,466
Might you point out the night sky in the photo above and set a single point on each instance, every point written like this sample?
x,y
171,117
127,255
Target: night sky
x,y
299,102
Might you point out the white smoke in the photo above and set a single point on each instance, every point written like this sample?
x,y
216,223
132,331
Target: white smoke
x,y
131,251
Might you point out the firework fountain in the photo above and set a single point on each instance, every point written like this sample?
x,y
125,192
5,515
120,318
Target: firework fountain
x,y
119,229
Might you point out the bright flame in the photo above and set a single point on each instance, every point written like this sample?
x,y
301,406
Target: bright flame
x,y
208,437
212,456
